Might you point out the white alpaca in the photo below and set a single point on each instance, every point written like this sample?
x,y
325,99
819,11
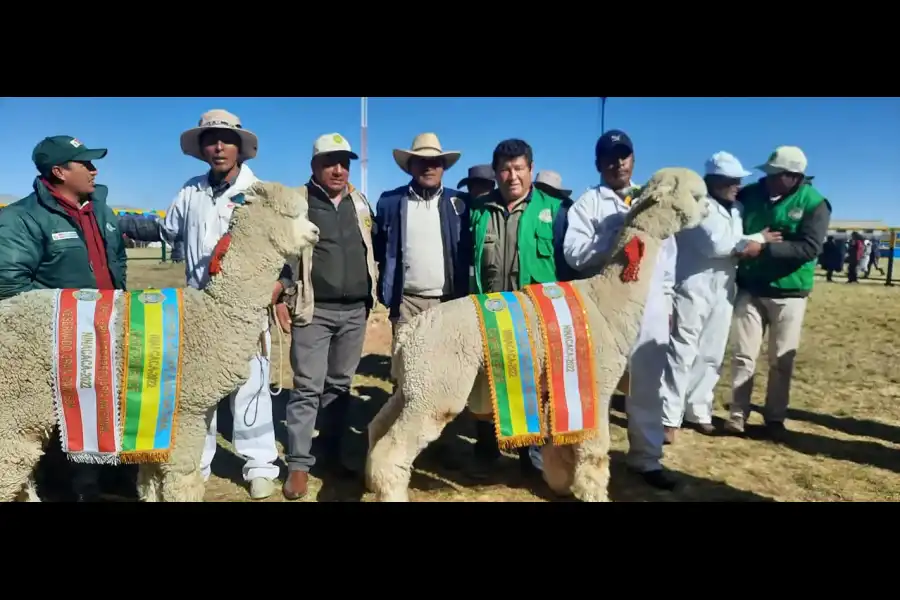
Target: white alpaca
x,y
221,331
438,360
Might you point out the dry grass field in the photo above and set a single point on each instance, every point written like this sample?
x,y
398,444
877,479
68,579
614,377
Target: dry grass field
x,y
844,425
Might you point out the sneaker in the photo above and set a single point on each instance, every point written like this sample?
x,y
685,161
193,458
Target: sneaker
x,y
261,488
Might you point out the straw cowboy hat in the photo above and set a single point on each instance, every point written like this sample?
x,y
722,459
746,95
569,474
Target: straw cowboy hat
x,y
551,182
425,145
219,119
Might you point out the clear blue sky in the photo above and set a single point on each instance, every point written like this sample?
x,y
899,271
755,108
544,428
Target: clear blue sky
x,y
853,144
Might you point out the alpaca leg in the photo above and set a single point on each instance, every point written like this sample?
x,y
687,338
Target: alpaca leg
x,y
149,483
181,478
18,459
590,476
559,468
413,421
385,417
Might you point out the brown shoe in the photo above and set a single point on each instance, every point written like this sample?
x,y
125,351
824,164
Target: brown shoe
x,y
669,435
296,485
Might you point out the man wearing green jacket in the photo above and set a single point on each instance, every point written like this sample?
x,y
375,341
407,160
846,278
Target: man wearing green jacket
x,y
63,235
512,232
774,281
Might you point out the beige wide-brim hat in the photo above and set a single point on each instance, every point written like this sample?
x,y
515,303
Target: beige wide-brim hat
x,y
425,145
219,119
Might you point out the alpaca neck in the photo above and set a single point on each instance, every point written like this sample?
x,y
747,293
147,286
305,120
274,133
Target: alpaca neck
x,y
630,296
243,289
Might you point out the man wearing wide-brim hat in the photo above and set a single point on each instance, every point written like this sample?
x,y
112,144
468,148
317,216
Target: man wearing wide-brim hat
x,y
479,181
199,216
421,233
774,281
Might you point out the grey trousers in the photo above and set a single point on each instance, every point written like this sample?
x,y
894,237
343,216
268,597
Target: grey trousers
x,y
324,357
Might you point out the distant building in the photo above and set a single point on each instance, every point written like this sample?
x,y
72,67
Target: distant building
x,y
876,229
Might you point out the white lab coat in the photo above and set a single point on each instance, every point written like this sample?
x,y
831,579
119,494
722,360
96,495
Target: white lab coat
x,y
704,301
200,219
595,221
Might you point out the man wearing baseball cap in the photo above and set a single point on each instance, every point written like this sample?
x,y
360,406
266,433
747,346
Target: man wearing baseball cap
x,y
328,294
704,298
63,235
594,222
774,281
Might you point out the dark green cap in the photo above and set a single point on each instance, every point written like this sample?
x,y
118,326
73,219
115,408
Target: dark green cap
x,y
60,149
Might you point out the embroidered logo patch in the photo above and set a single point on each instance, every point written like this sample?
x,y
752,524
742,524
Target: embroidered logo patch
x,y
64,235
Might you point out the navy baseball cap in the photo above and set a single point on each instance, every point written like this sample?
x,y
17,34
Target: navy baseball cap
x,y
612,139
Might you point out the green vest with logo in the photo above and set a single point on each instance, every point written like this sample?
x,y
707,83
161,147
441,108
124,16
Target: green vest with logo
x,y
783,216
537,263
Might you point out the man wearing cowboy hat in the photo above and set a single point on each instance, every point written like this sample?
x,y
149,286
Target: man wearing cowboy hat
x,y
479,181
512,229
704,299
595,221
421,233
774,281
329,293
199,216
63,235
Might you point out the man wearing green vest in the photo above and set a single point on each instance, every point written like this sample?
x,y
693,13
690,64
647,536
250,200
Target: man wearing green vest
x,y
774,282
512,231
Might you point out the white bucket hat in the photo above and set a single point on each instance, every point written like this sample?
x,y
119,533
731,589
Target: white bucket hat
x,y
218,119
785,158
725,165
332,142
425,145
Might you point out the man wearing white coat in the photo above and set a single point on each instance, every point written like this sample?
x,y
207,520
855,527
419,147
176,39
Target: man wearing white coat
x,y
200,215
595,221
704,299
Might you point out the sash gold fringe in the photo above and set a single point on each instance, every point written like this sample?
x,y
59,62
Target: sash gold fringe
x,y
145,457
123,388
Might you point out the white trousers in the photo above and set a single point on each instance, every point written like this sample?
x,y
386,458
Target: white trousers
x,y
254,430
694,359
643,405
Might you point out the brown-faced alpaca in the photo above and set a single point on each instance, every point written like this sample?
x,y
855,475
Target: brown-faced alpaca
x,y
220,333
438,360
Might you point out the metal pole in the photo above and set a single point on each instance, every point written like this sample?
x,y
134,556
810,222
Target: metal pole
x,y
364,142
602,115
892,249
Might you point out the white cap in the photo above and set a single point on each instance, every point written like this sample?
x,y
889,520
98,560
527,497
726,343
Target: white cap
x,y
785,158
332,142
726,165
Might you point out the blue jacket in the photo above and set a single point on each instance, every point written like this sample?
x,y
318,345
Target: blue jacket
x,y
389,232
